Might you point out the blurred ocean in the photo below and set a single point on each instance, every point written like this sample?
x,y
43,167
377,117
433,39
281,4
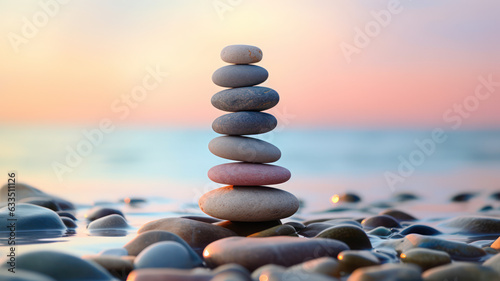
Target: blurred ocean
x,y
173,163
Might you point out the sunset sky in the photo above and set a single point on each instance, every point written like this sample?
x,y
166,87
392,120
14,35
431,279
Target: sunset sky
x,y
426,58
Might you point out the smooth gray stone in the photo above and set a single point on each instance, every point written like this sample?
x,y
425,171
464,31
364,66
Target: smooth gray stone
x,y
99,212
234,76
60,266
31,218
166,254
241,54
387,272
109,222
244,149
244,123
461,271
245,98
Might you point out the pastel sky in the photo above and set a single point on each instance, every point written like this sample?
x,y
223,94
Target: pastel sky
x,y
88,54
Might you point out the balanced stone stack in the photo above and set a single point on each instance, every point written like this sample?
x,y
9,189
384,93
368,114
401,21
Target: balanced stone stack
x,y
246,198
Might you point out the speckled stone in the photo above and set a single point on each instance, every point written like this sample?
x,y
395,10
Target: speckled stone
x,y
255,252
425,258
241,54
461,271
245,99
234,76
248,174
244,149
244,123
353,236
249,203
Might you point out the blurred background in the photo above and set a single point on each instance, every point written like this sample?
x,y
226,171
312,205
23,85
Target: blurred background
x,y
107,99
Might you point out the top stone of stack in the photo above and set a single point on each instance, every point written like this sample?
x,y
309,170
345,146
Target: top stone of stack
x,y
241,54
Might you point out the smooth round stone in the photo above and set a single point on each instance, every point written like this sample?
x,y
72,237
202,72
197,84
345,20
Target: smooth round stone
x,y
255,252
67,215
353,236
425,258
116,266
399,215
352,260
60,266
493,262
266,270
31,218
387,272
280,230
69,223
314,229
99,212
234,76
166,254
231,267
241,54
109,222
457,250
461,271
248,228
380,231
474,225
162,274
325,265
248,174
420,229
196,233
297,225
245,99
249,203
463,197
244,149
383,220
244,123
25,191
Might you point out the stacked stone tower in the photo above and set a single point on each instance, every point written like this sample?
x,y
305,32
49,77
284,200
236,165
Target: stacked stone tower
x,y
246,198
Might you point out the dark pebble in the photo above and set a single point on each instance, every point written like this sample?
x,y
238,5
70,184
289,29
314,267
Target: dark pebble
x,y
375,221
402,197
353,236
244,123
247,228
399,215
69,223
462,197
66,214
42,202
420,229
99,212
297,225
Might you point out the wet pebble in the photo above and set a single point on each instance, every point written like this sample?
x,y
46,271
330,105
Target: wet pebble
x,y
461,271
32,218
280,230
247,228
352,260
197,234
353,236
325,265
60,266
420,229
463,197
166,254
314,229
380,231
67,214
383,220
99,212
255,252
297,225
157,274
148,238
474,225
116,266
399,215
495,195
109,222
69,223
42,202
457,250
425,258
387,272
